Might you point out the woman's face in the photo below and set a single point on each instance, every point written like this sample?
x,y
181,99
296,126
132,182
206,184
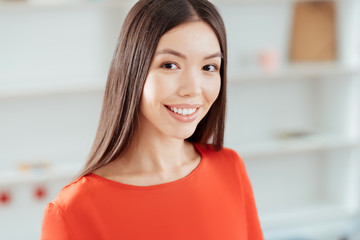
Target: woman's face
x,y
183,81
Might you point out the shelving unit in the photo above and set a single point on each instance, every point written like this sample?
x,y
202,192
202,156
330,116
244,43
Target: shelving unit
x,y
54,60
306,187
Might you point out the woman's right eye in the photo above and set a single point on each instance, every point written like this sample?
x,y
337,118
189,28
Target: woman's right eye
x,y
170,66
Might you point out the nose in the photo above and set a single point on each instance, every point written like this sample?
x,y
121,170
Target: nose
x,y
190,84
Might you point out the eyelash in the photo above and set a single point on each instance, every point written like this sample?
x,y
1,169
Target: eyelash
x,y
212,65
168,63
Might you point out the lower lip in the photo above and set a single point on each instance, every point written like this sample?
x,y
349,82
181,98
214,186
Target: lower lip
x,y
188,118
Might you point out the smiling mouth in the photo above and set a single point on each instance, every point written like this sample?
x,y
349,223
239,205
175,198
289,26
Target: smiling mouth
x,y
182,111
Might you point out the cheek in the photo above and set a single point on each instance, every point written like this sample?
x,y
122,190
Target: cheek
x,y
212,90
152,89
147,96
156,89
149,88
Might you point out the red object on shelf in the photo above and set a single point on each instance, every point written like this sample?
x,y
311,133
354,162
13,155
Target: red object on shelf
x,y
40,192
5,197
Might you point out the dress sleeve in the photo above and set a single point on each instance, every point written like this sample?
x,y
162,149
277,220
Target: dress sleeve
x,y
253,223
54,225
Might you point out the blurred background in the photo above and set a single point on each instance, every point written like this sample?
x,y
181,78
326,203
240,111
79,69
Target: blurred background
x,y
293,107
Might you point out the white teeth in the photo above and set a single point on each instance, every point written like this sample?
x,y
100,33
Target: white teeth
x,y
183,111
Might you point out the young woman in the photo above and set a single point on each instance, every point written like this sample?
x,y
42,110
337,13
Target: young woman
x,y
158,169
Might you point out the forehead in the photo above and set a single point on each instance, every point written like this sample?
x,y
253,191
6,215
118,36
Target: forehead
x,y
195,37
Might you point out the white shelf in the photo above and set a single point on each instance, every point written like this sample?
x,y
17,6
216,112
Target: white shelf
x,y
222,2
303,214
313,221
8,4
11,178
298,145
297,71
57,87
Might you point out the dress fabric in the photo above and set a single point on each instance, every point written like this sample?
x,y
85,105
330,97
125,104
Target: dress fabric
x,y
214,202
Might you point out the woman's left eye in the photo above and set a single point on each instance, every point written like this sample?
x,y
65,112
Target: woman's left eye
x,y
171,66
210,68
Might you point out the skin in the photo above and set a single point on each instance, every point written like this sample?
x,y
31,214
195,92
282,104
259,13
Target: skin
x,y
184,70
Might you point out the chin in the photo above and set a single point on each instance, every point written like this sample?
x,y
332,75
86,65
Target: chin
x,y
184,135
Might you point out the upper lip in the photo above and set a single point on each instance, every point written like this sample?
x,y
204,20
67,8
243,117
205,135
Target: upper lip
x,y
184,105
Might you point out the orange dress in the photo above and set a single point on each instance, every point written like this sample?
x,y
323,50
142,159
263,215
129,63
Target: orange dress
x,y
214,202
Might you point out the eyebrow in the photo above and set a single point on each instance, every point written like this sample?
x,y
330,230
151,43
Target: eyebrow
x,y
178,54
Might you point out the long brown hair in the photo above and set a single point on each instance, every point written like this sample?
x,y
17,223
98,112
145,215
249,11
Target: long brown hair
x,y
142,29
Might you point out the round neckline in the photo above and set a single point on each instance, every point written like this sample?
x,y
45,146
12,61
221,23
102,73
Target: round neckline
x,y
160,185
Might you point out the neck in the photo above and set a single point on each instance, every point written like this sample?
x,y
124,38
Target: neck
x,y
160,154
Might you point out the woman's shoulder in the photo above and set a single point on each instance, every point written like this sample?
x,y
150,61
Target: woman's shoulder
x,y
69,209
224,157
74,193
223,153
225,160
